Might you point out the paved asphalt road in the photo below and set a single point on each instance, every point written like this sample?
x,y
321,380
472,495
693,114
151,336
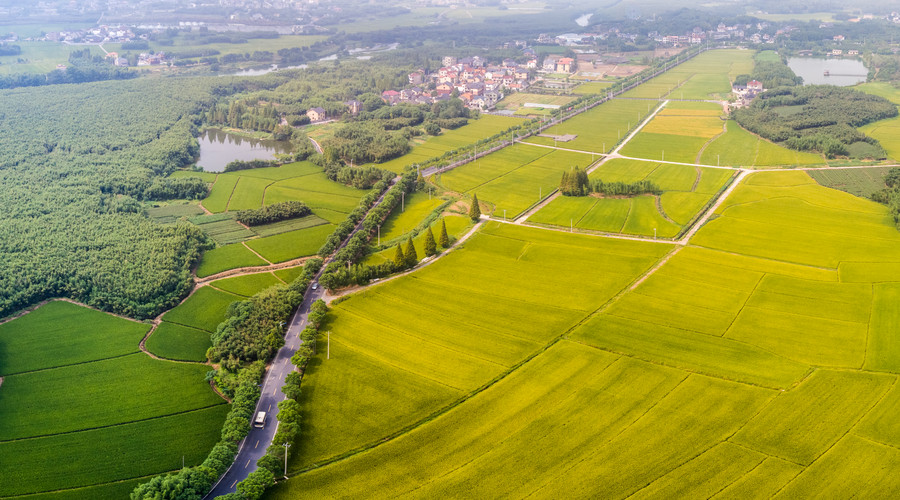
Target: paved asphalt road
x,y
253,447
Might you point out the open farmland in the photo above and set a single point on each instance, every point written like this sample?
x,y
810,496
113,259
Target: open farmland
x,y
281,241
856,181
738,147
456,227
414,209
431,147
110,422
601,128
228,257
430,351
706,76
517,102
686,190
677,133
514,178
887,132
760,360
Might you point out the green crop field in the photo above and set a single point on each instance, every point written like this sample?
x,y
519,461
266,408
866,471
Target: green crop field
x,y
39,57
247,285
290,274
204,310
183,343
599,129
592,88
514,178
516,102
887,132
289,225
34,338
168,214
431,147
706,76
287,246
303,181
109,422
686,189
418,206
677,134
857,181
222,228
225,258
182,44
760,359
439,349
738,147
456,227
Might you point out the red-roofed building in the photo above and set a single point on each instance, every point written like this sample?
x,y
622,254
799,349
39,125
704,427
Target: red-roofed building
x,y
754,85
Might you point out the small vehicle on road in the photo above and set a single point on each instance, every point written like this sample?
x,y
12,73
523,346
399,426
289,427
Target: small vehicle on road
x,y
315,286
260,420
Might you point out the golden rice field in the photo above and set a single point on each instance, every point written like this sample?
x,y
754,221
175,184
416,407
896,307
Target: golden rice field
x,y
759,360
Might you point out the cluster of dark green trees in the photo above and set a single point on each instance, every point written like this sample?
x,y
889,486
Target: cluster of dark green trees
x,y
890,195
771,74
75,163
236,165
575,182
254,330
826,122
273,213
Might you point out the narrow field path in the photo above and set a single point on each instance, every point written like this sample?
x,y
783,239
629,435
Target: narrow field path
x,y
244,243
243,271
605,158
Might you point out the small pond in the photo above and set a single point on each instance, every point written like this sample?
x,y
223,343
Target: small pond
x,y
842,72
219,148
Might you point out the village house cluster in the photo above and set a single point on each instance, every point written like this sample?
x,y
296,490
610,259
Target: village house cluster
x,y
100,34
478,84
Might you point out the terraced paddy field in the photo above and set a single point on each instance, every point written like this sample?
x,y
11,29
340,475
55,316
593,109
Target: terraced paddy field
x,y
476,130
738,147
514,178
601,128
760,360
686,189
110,424
677,133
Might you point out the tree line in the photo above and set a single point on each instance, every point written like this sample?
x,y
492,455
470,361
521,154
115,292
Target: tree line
x,y
273,213
575,182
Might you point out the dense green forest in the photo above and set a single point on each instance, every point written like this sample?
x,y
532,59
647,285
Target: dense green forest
x,y
75,162
820,118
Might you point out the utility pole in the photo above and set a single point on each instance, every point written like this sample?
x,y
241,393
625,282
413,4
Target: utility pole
x,y
286,446
329,345
379,235
402,201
